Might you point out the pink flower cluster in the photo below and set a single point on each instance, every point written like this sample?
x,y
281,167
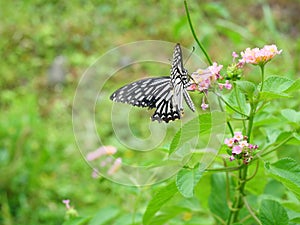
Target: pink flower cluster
x,y
103,150
240,148
71,212
67,203
103,153
253,56
204,80
258,56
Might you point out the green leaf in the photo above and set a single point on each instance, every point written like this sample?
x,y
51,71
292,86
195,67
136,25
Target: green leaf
x,y
204,123
277,84
287,171
291,115
105,215
276,87
275,189
191,204
186,180
159,199
295,140
246,87
127,219
265,118
294,87
167,214
217,200
272,213
293,210
268,95
77,221
237,100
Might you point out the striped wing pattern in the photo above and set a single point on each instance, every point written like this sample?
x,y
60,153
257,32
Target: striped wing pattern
x,y
166,94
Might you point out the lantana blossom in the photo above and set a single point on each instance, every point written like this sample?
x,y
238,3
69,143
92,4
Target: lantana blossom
x,y
239,147
258,56
71,212
204,106
103,150
67,203
204,79
238,136
115,167
236,149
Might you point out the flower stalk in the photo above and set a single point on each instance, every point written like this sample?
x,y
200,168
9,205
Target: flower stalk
x,y
194,34
262,69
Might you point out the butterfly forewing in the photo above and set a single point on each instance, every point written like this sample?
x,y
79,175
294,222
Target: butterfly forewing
x,y
143,93
163,93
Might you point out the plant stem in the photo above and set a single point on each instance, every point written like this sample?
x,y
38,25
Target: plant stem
x,y
194,34
251,211
230,128
250,125
262,68
263,152
239,193
253,175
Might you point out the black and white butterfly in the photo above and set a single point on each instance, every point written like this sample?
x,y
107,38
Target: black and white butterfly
x,y
166,93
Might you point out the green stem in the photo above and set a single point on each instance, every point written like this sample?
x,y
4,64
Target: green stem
x,y
250,125
251,211
194,34
239,194
264,152
262,68
230,128
253,175
238,203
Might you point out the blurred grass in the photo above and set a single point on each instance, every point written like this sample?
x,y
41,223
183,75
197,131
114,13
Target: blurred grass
x,y
39,161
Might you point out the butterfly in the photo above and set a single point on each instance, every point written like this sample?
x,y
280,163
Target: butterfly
x,y
165,94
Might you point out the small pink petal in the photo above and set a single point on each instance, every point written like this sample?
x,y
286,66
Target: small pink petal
x,y
228,85
235,55
115,167
243,144
204,106
67,203
238,136
95,173
229,142
236,149
103,150
215,68
192,87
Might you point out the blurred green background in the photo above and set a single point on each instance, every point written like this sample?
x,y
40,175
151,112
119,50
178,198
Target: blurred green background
x,y
40,164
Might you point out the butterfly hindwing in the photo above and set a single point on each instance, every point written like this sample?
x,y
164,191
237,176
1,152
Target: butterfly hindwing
x,y
166,111
166,94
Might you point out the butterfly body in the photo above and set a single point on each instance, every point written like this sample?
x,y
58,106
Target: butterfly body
x,y
166,93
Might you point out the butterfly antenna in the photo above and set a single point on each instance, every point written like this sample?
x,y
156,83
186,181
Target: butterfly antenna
x,y
188,60
189,55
